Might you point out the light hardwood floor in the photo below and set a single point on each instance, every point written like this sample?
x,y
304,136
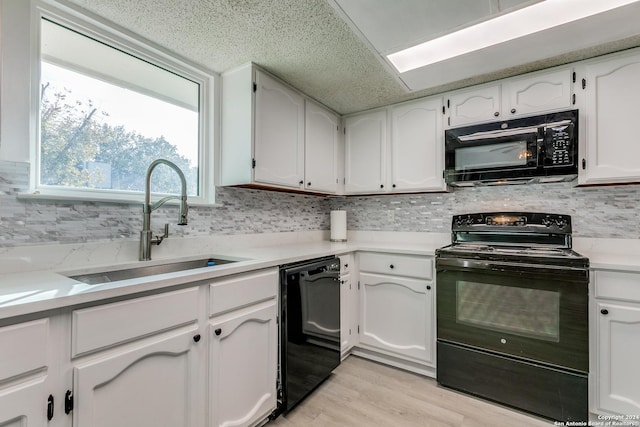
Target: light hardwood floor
x,y
365,393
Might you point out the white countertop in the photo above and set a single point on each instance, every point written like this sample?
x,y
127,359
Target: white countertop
x,y
35,277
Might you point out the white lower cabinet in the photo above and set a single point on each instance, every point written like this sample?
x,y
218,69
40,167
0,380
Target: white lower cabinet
x,y
243,349
243,365
139,362
24,375
153,382
348,306
397,306
617,342
160,360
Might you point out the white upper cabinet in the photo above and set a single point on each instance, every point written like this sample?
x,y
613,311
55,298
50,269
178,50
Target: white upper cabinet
x,y
536,93
365,152
274,136
474,105
279,134
321,149
530,94
611,143
417,146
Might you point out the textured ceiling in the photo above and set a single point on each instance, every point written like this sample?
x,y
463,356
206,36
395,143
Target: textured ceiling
x,y
304,42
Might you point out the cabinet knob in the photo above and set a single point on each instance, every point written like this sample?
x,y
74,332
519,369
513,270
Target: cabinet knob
x,y
346,266
217,331
196,338
496,114
428,287
391,266
308,184
381,185
301,182
604,311
68,402
50,407
513,111
394,186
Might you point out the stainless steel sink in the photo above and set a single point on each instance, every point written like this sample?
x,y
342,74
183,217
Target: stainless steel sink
x,y
151,270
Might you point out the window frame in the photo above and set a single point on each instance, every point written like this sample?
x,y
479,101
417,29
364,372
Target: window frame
x,y
99,29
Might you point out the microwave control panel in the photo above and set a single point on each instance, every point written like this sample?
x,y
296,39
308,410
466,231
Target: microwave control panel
x,y
559,145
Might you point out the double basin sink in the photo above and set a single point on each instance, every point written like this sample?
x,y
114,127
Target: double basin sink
x,y
149,270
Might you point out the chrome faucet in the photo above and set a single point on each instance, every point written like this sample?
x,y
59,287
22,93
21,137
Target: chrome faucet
x,y
146,236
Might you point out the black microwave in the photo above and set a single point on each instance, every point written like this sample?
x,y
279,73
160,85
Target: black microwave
x,y
540,148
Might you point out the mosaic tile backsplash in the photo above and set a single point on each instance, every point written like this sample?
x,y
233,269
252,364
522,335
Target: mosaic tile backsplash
x,y
605,212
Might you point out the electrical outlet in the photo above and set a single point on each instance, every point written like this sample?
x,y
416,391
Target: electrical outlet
x,y
391,215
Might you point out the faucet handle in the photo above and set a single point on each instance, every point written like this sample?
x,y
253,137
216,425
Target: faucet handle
x,y
156,240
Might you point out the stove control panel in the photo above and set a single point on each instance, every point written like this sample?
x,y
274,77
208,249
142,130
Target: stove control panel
x,y
516,221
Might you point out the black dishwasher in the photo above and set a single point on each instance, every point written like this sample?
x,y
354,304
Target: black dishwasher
x,y
310,327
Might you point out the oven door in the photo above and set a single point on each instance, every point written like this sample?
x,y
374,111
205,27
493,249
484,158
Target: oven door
x,y
536,313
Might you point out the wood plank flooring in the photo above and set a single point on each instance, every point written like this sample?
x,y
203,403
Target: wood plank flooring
x,y
365,393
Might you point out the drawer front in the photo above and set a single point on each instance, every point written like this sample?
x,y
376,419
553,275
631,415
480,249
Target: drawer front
x,y
620,285
23,348
397,264
243,290
110,324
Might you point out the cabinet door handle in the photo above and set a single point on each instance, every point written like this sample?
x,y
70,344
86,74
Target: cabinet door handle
x,y
381,185
584,164
68,402
391,266
308,184
496,114
50,407
513,111
604,311
217,331
428,287
301,182
196,338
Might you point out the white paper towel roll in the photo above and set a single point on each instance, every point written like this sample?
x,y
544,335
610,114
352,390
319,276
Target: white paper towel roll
x,y
338,226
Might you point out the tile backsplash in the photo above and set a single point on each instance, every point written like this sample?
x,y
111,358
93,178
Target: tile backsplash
x,y
600,212
606,212
237,211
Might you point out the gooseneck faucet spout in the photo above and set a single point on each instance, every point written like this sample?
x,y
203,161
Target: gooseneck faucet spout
x,y
146,236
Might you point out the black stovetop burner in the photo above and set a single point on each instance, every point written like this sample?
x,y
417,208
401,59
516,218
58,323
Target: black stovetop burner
x,y
525,237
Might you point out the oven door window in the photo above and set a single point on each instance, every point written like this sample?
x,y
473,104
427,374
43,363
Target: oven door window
x,y
525,312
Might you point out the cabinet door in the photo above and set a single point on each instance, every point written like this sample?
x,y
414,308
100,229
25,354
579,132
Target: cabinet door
x,y
612,110
476,105
618,348
536,94
348,314
396,316
243,365
417,146
151,382
365,152
321,149
279,134
25,371
25,404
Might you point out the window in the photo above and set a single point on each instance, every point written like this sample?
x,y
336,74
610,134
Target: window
x,y
108,109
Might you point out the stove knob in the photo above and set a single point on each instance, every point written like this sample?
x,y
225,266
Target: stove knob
x,y
561,223
547,222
